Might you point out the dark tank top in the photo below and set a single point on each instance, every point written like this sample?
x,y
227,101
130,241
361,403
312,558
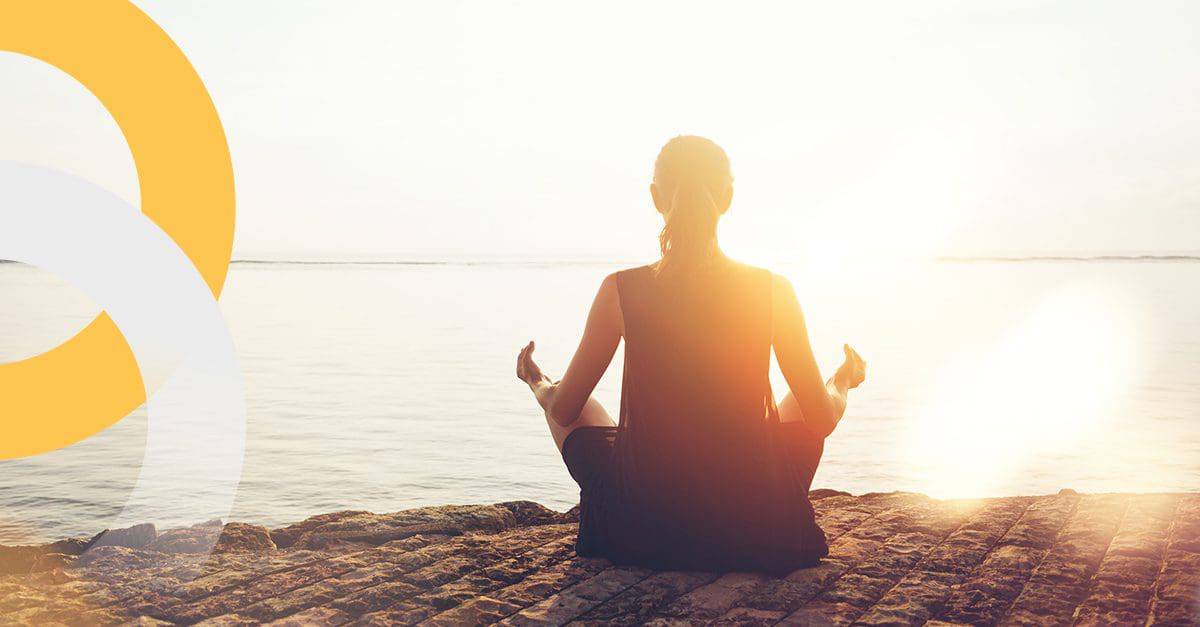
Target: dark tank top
x,y
700,476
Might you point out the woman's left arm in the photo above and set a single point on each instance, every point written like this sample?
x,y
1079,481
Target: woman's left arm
x,y
565,400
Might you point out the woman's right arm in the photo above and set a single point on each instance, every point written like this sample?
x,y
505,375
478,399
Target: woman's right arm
x,y
822,403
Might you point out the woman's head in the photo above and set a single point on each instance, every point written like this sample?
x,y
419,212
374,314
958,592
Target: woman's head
x,y
692,188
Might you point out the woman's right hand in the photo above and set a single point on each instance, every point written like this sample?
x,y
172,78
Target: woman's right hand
x,y
853,370
527,369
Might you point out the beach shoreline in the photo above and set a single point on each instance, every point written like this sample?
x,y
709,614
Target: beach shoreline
x,y
894,557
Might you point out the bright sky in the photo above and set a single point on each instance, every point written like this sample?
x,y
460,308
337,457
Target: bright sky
x,y
406,128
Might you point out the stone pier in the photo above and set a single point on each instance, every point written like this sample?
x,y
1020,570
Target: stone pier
x,y
895,558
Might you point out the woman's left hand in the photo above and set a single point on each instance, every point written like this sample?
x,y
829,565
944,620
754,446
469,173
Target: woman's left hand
x,y
527,370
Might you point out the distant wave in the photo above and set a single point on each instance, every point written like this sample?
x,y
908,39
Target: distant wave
x,y
1178,257
425,262
609,262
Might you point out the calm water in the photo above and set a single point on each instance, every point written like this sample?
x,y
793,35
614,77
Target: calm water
x,y
383,387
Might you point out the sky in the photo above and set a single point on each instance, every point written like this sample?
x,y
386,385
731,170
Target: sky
x,y
406,129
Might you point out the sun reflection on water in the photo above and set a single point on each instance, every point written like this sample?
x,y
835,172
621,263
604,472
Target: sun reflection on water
x,y
1055,377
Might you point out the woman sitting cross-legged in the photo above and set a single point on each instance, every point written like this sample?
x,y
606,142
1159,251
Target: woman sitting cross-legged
x,y
704,471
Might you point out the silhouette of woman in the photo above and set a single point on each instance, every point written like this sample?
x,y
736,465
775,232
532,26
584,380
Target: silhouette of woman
x,y
704,471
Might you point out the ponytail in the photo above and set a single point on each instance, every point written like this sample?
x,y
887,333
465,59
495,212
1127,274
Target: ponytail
x,y
689,233
695,172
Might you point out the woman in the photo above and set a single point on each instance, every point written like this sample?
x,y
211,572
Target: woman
x,y
704,471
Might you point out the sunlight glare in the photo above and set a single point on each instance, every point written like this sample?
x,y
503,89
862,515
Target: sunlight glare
x,y
888,225
1053,377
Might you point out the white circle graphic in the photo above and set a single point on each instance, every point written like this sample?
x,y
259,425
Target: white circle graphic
x,y
196,416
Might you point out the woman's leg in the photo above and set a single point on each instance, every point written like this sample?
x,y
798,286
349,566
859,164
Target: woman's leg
x,y
806,447
789,409
593,415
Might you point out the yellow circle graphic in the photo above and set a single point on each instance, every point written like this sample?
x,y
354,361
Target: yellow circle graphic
x,y
185,175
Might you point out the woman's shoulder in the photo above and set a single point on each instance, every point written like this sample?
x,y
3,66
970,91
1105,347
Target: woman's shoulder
x,y
645,273
764,274
633,273
779,285
644,268
621,280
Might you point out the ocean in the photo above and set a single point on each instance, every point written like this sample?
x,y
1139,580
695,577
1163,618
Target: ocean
x,y
390,384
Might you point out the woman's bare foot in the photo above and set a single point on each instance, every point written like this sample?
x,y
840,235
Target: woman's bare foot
x,y
527,370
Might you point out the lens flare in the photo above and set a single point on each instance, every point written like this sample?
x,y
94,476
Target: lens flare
x,y
1054,377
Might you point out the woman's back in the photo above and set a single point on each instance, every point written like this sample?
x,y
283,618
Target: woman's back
x,y
697,354
697,467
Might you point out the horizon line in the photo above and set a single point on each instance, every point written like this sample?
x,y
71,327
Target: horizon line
x,y
533,261
536,261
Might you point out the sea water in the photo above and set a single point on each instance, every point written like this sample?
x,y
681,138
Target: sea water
x,y
388,385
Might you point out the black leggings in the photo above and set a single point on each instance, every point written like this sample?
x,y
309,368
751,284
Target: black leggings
x,y
587,451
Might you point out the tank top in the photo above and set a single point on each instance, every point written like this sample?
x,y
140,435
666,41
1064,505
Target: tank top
x,y
699,477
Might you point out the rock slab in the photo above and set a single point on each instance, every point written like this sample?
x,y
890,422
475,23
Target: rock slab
x,y
895,558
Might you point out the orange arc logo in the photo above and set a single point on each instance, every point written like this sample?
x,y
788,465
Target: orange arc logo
x,y
143,79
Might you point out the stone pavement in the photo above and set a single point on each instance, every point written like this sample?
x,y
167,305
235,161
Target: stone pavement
x,y
895,559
